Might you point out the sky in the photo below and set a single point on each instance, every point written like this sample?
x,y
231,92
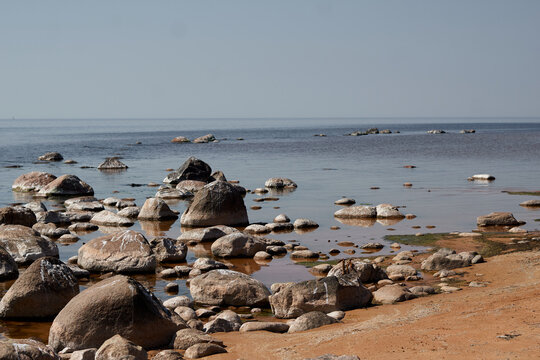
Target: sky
x,y
279,58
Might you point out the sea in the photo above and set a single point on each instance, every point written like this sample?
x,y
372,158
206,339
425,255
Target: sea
x,y
370,169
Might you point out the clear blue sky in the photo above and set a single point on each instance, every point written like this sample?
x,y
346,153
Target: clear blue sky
x,y
290,58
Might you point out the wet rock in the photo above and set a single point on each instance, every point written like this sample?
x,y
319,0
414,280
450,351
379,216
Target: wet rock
x,y
118,347
217,203
227,287
355,212
498,219
217,175
202,350
305,224
51,156
270,326
180,139
367,273
237,245
156,209
280,183
328,294
130,212
345,201
262,255
186,338
117,305
17,215
25,349
391,294
25,244
282,218
531,203
321,269
387,211
54,217
168,250
191,169
311,320
205,139
448,259
66,185
109,218
467,131
68,238
33,181
186,313
112,163
276,250
41,291
123,252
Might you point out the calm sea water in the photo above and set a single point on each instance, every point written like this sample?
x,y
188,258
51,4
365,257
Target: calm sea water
x,y
325,169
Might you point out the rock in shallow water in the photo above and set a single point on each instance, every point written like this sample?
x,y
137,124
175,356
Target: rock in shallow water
x,y
156,209
25,244
112,163
33,181
25,349
498,219
191,169
237,245
66,185
17,215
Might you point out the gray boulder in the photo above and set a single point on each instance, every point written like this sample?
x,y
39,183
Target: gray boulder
x,y
206,234
123,252
17,215
227,287
202,350
51,156
25,349
41,291
448,259
191,169
311,320
32,181
367,273
388,211
25,244
118,305
204,139
498,219
8,267
237,245
186,338
156,209
168,250
305,224
390,294
327,294
109,218
356,212
118,347
168,354
66,185
271,326
112,163
217,203
280,183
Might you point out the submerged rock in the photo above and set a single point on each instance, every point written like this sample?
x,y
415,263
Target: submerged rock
x,y
51,156
112,163
118,305
280,183
33,181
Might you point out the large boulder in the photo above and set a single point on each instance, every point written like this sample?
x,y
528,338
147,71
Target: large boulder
x,y
25,244
191,169
17,215
112,163
388,211
280,183
356,212
498,219
206,234
108,218
366,273
32,181
118,347
123,252
168,250
227,287
188,337
202,350
156,209
311,320
391,294
448,259
217,203
66,185
25,349
327,294
118,305
8,267
41,291
237,245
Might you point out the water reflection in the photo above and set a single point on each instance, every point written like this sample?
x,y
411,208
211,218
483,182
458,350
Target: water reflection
x,y
365,222
389,221
156,228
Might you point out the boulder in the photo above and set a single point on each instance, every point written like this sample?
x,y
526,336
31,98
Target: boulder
x,y
531,203
85,206
270,326
226,321
180,139
191,169
217,203
366,273
404,270
118,347
356,212
82,227
168,193
237,245
282,218
130,212
280,183
51,156
112,163
256,229
304,254
36,206
190,186
327,294
66,185
25,244
41,291
206,234
387,211
280,227
54,217
372,246
8,267
205,264
227,287
167,355
186,338
448,259
498,219
124,252
390,294
109,218
32,181
217,175
202,350
204,139
177,301
168,250
311,320
305,224
422,290
17,215
483,177
25,349
156,209
345,201
118,305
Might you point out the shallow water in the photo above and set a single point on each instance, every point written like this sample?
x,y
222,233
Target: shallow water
x,y
325,169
